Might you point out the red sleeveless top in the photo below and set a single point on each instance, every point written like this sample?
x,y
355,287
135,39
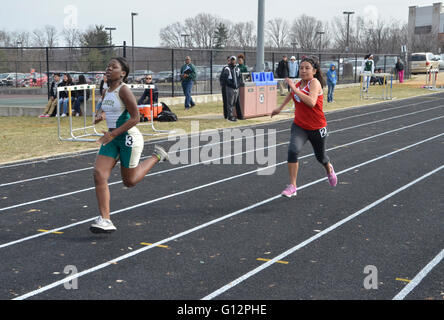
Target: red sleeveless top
x,y
306,117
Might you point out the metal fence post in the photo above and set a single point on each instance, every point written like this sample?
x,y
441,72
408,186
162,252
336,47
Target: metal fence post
x,y
172,71
211,72
47,71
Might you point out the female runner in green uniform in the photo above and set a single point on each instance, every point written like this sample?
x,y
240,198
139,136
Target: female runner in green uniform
x,y
123,141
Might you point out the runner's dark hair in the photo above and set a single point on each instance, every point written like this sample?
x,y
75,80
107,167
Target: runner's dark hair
x,y
314,61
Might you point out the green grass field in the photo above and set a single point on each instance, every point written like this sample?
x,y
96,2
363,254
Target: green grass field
x,y
31,137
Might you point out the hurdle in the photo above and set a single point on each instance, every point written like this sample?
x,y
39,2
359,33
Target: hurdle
x,y
431,79
151,108
88,130
387,90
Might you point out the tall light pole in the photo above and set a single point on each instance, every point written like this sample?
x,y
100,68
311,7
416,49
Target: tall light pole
x,y
348,13
110,29
320,33
260,36
133,14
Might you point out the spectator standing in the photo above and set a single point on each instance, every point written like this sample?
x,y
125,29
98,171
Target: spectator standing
x,y
52,102
332,79
80,98
400,70
283,72
231,78
367,67
293,68
224,89
188,76
241,63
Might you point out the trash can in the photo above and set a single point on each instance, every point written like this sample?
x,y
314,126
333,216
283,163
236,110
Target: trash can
x,y
261,95
247,98
271,95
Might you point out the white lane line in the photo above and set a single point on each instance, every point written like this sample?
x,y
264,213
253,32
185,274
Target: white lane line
x,y
199,163
146,143
315,237
226,141
419,277
202,226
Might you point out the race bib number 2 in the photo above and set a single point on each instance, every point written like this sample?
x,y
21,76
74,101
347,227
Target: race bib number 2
x,y
323,132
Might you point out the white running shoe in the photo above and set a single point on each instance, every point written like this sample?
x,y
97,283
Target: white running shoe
x,y
160,153
101,225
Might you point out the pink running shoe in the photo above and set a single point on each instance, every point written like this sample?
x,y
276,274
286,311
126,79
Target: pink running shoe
x,y
290,191
332,178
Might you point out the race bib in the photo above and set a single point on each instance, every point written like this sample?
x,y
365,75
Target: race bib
x,y
323,132
129,141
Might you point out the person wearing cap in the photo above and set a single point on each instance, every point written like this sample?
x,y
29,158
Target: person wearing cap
x,y
282,73
223,88
188,76
293,68
231,78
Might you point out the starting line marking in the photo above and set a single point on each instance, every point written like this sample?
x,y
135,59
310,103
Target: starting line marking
x,y
150,244
403,280
282,262
55,232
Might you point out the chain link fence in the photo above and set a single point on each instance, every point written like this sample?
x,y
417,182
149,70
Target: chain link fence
x,y
30,67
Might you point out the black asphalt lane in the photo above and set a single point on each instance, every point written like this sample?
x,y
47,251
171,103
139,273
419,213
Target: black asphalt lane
x,y
54,213
210,258
84,250
68,183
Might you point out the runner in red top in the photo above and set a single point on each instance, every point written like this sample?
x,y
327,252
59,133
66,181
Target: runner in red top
x,y
309,121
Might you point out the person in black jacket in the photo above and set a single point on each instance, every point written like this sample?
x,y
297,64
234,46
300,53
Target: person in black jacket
x,y
64,96
224,89
400,70
282,72
231,78
146,93
52,102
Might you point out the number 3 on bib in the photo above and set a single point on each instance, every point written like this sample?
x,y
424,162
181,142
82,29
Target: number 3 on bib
x,y
129,141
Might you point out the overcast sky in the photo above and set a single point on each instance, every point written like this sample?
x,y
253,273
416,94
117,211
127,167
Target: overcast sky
x,y
26,15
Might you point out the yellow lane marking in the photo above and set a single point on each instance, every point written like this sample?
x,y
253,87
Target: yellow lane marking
x,y
149,244
283,262
55,232
403,280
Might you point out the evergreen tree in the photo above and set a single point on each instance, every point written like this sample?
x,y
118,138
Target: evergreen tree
x,y
221,36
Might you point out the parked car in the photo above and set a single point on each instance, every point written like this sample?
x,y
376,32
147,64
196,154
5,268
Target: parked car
x,y
390,64
325,66
423,61
10,79
163,76
138,76
440,59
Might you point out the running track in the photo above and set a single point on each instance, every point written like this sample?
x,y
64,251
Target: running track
x,y
203,231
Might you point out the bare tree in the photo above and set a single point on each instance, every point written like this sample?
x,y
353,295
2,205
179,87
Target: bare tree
x,y
45,37
171,36
72,37
304,32
243,35
278,33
